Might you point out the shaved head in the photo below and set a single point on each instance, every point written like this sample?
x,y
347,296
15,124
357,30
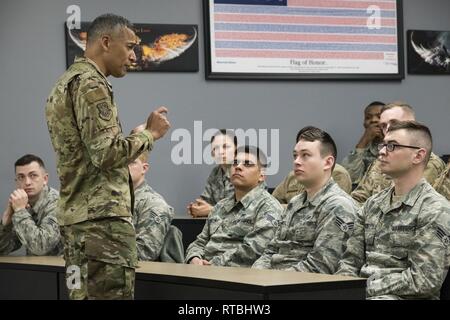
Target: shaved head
x,y
408,111
107,24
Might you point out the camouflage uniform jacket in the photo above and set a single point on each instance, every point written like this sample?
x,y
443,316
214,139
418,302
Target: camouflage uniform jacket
x,y
442,184
374,181
92,153
359,160
35,228
404,246
152,218
218,186
291,187
236,233
312,233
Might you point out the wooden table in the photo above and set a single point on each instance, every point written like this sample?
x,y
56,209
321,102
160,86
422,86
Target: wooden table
x,y
43,278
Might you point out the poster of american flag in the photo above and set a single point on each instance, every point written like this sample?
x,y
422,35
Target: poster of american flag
x,y
298,38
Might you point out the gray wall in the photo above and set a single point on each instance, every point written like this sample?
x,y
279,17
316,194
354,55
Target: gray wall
x,y
32,56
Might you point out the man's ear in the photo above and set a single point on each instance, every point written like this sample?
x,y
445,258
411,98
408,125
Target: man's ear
x,y
106,42
420,156
146,167
45,178
329,162
262,174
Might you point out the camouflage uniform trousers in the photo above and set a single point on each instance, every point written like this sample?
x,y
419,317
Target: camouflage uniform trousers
x,y
105,252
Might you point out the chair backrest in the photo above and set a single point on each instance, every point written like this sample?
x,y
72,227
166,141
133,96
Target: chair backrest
x,y
445,290
172,249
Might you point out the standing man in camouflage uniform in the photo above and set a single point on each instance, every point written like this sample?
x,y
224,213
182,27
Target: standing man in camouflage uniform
x,y
442,184
152,215
291,186
401,235
96,200
317,222
30,216
240,226
365,152
218,186
374,181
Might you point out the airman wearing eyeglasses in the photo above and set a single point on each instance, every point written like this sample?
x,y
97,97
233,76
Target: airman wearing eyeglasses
x,y
241,225
30,215
401,237
374,180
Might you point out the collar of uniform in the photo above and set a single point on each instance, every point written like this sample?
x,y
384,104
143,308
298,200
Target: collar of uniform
x,y
297,202
247,199
87,60
142,186
220,172
229,203
252,195
409,199
226,173
223,174
41,200
321,195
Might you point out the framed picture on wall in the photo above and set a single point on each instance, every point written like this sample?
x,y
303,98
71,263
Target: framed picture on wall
x,y
162,47
428,52
303,39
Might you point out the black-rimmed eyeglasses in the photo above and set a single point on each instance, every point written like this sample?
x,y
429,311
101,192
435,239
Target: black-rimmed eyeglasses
x,y
246,163
391,146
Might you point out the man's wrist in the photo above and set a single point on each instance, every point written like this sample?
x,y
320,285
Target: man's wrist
x,y
362,144
190,259
17,209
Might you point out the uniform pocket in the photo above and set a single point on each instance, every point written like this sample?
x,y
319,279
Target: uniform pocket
x,y
305,233
240,229
112,241
214,225
400,244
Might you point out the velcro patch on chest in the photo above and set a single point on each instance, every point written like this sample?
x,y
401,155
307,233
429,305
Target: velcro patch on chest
x,y
403,228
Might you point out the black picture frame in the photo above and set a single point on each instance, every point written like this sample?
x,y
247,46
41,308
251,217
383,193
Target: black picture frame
x,y
181,59
213,73
428,52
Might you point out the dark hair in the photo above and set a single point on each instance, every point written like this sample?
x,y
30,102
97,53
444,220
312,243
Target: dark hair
x,y
328,146
399,104
301,131
105,24
260,156
419,130
27,159
225,132
374,104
